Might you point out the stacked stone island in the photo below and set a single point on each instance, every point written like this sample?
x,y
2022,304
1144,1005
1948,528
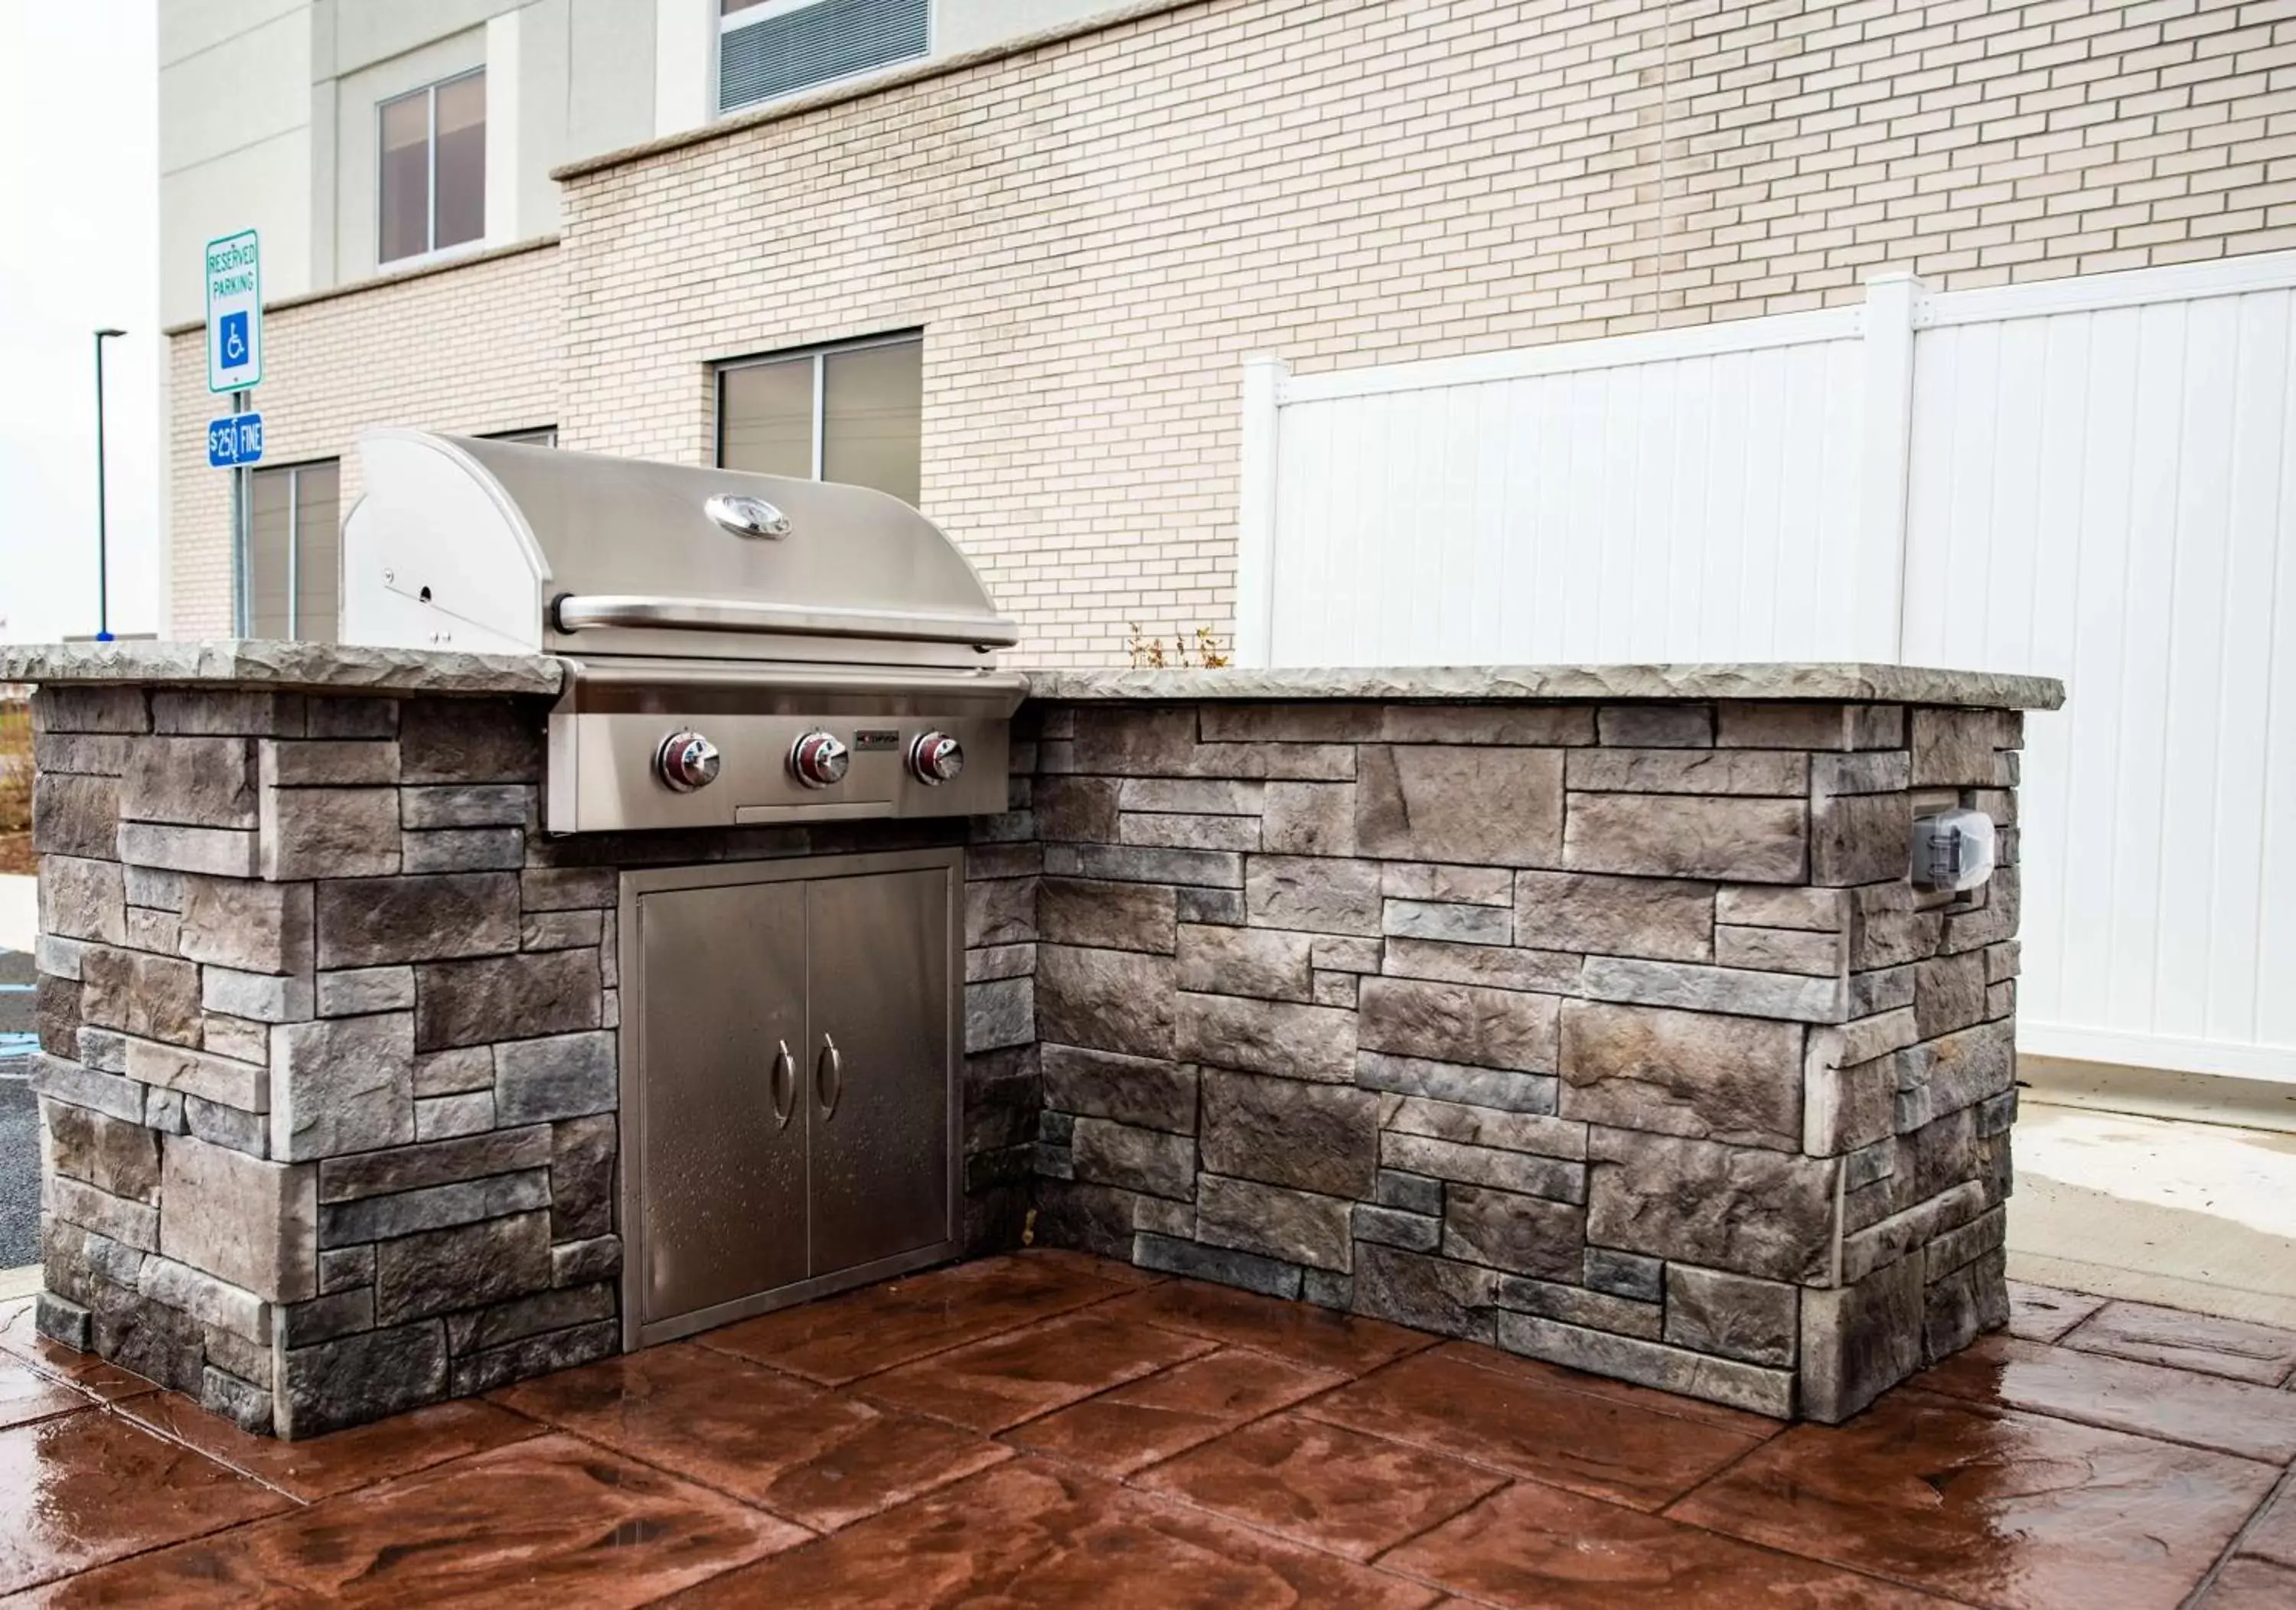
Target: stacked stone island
x,y
1589,1013
1611,1032
330,1075
330,1088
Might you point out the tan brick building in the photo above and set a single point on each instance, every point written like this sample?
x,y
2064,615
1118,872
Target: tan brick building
x,y
1094,228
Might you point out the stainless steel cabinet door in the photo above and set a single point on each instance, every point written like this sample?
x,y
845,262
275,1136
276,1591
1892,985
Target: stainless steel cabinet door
x,y
878,1094
722,1128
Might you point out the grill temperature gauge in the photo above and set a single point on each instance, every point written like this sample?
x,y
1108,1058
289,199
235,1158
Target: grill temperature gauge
x,y
936,758
819,760
687,761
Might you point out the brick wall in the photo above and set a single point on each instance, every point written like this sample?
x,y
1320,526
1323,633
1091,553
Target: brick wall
x,y
1096,233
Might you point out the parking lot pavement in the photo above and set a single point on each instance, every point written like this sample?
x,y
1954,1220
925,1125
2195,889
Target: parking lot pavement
x,y
20,1122
20,1174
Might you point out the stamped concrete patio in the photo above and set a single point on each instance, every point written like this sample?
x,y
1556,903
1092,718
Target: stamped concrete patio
x,y
1047,1429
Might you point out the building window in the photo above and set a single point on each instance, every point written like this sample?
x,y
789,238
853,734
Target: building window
x,y
769,48
852,413
294,551
432,178
539,435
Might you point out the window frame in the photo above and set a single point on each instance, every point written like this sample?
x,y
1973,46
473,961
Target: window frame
x,y
817,354
765,11
432,252
294,472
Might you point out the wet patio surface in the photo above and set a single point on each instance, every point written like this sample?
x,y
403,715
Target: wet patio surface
x,y
1052,1430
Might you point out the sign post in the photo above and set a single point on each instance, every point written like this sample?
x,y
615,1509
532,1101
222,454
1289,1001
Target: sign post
x,y
234,278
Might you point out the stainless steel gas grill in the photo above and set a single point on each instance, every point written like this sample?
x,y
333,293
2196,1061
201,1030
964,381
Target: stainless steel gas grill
x,y
742,648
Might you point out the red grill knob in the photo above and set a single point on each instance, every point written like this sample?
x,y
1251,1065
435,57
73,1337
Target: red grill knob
x,y
936,758
819,760
687,761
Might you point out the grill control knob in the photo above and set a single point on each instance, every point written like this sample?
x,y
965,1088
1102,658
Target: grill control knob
x,y
687,761
936,758
819,760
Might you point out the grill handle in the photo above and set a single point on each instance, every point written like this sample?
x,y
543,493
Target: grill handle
x,y
580,612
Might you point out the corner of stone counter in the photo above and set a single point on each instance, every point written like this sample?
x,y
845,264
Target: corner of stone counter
x,y
273,665
327,1070
1599,1022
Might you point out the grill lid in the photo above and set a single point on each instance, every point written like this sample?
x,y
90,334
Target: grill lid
x,y
496,546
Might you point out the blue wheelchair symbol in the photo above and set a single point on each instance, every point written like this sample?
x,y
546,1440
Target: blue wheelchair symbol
x,y
234,341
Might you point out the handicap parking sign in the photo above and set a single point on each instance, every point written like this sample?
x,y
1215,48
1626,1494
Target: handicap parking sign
x,y
235,275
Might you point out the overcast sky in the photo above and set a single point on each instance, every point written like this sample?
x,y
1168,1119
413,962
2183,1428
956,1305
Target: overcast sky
x,y
79,196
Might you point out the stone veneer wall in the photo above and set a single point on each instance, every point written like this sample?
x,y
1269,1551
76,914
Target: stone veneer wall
x,y
330,1070
1614,1036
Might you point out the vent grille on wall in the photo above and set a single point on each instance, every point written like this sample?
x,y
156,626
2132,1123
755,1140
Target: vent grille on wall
x,y
816,44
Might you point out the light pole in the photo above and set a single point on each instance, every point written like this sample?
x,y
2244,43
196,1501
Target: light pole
x,y
102,577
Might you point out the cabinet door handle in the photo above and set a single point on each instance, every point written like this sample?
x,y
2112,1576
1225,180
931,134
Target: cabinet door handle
x,y
782,1086
829,1077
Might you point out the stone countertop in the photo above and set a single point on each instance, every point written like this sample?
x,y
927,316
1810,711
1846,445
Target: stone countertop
x,y
329,668
1876,684
284,667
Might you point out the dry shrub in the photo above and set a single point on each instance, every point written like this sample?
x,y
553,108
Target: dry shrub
x,y
15,767
1201,653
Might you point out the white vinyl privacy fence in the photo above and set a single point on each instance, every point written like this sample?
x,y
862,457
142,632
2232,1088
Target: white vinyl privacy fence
x,y
2092,478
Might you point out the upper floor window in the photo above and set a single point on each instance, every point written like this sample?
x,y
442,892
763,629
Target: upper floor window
x,y
432,181
851,413
768,48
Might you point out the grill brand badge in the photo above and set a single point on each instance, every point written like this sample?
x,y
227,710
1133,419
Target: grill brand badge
x,y
745,516
876,738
